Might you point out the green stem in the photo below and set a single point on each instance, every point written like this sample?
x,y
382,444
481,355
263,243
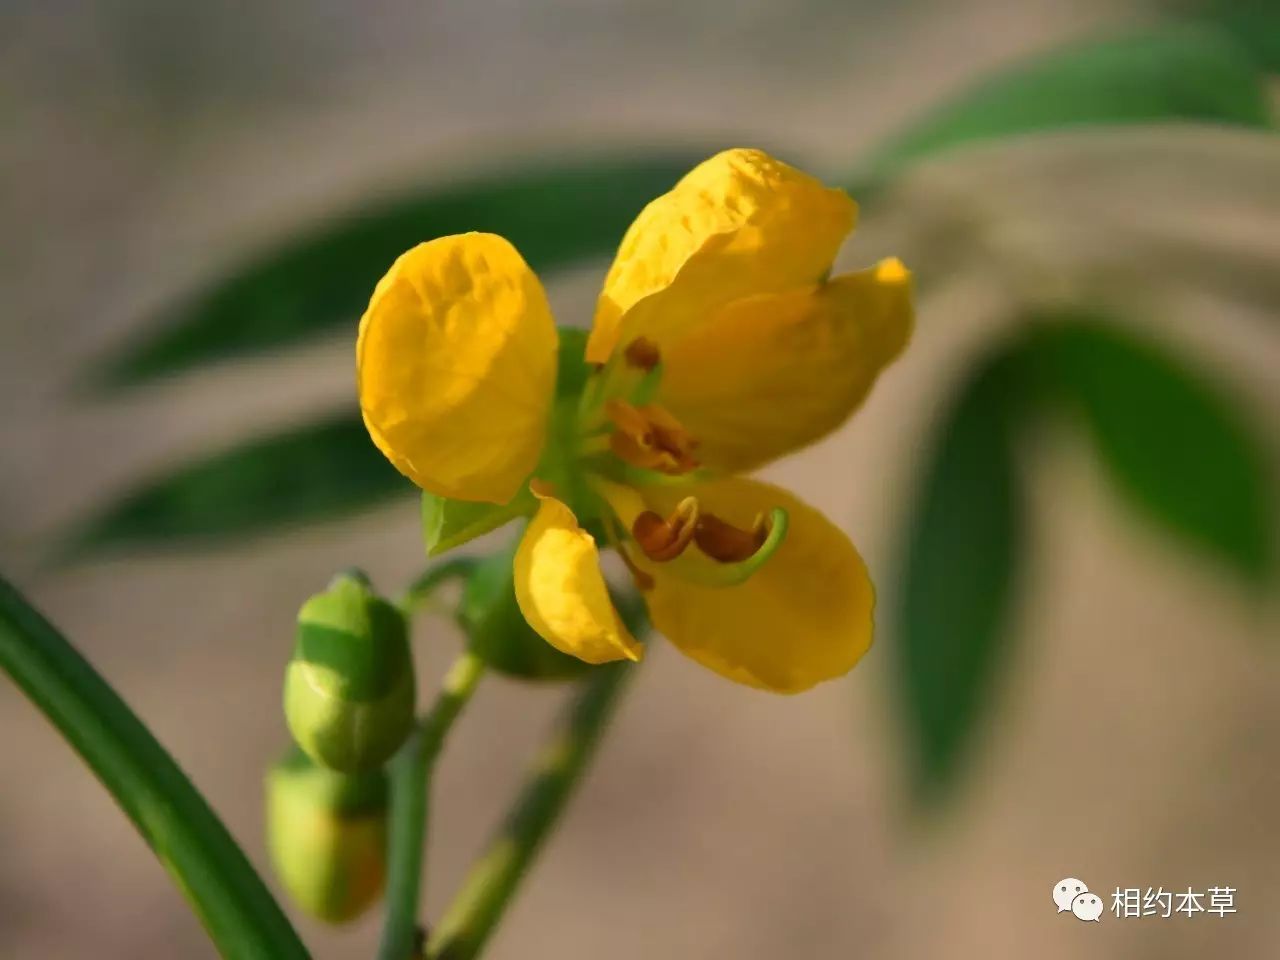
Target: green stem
x,y
424,588
495,877
187,837
410,783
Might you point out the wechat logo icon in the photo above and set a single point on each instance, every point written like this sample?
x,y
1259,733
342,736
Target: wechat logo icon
x,y
1072,895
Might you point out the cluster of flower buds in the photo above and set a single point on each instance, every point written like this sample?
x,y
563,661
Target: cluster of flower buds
x,y
349,696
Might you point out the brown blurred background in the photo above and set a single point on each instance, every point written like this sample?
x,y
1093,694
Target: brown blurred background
x,y
1135,741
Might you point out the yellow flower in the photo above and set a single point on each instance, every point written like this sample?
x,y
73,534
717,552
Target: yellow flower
x,y
719,343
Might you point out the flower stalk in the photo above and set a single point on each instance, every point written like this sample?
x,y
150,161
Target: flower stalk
x,y
494,879
411,773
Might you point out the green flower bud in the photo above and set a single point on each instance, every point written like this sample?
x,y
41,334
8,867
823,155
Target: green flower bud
x,y
497,631
327,836
349,688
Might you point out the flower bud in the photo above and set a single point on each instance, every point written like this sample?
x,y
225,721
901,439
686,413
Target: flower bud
x,y
349,687
497,631
327,836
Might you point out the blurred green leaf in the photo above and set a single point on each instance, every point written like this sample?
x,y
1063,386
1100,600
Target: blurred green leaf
x,y
321,279
963,552
309,473
1255,24
1173,441
1178,73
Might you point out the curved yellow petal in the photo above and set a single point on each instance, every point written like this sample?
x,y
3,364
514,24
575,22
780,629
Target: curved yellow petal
x,y
456,367
738,224
561,590
767,375
802,618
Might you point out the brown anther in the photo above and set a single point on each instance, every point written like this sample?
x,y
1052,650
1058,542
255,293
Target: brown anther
x,y
663,540
650,438
726,543
642,353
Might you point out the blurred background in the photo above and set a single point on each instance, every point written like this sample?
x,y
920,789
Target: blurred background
x,y
1075,672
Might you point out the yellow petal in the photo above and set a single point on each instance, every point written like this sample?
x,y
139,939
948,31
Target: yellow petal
x,y
738,224
561,589
802,618
456,367
767,375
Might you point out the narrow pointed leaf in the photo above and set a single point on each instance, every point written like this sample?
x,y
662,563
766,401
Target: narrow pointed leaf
x,y
187,837
320,279
963,554
1254,24
1176,73
305,474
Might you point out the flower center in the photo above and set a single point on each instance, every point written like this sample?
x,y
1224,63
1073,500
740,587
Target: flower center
x,y
617,416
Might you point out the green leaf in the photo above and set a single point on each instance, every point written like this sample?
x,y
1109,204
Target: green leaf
x,y
556,213
964,549
1172,440
1177,73
1254,24
313,472
188,839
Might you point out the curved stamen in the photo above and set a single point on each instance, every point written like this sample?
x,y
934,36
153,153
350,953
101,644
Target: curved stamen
x,y
650,438
666,541
663,540
727,555
726,543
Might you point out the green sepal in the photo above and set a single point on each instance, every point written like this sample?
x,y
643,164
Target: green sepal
x,y
450,523
327,836
349,687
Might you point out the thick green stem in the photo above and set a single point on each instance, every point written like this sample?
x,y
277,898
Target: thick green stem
x,y
230,899
410,784
495,877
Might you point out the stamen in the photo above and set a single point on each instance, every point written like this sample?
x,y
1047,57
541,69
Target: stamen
x,y
728,555
626,417
725,543
650,438
663,540
642,353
